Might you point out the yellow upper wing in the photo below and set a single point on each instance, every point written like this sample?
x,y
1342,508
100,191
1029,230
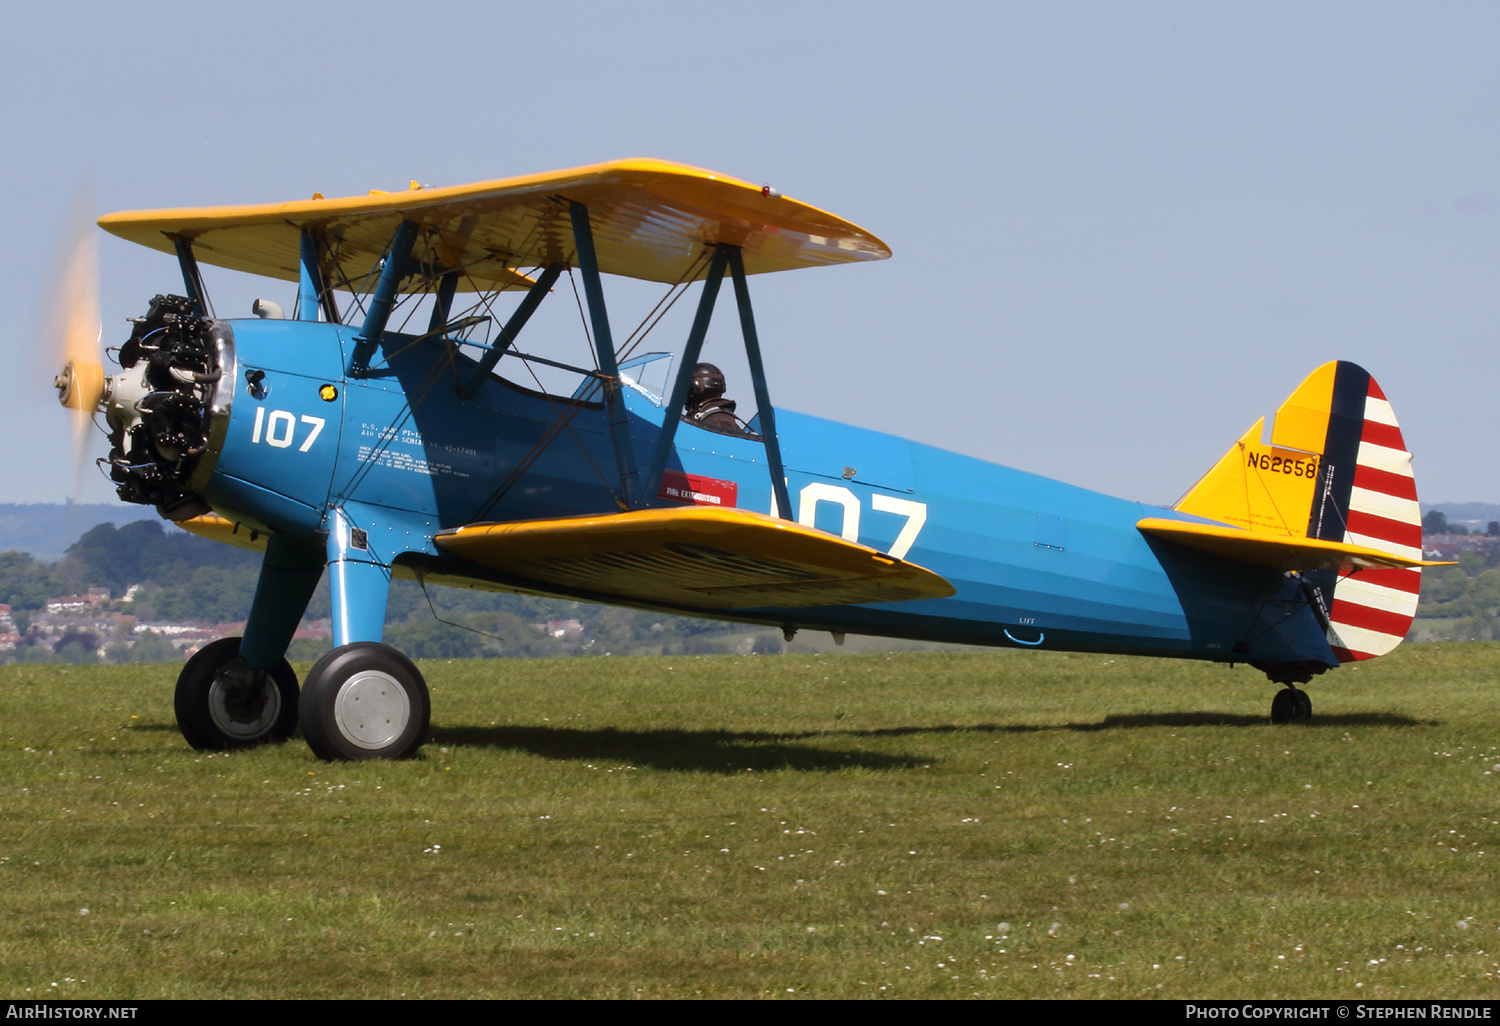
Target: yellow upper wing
x,y
651,219
697,557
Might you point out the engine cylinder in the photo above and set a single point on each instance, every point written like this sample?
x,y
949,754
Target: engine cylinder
x,y
163,406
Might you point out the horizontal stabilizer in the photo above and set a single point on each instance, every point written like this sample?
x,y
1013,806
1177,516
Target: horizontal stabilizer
x,y
1278,552
693,558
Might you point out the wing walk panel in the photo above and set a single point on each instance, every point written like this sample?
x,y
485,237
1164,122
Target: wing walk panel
x,y
693,558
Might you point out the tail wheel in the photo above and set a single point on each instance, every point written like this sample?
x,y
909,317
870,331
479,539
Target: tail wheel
x,y
1291,705
364,701
222,703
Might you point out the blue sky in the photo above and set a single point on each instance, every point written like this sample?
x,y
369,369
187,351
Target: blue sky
x,y
1122,232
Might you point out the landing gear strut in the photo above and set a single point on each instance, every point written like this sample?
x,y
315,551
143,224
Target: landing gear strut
x,y
1291,705
222,703
364,701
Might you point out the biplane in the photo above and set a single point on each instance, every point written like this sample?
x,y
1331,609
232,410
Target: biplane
x,y
332,441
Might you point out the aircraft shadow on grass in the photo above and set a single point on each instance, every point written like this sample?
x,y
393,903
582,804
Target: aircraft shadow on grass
x,y
1221,719
722,751
697,751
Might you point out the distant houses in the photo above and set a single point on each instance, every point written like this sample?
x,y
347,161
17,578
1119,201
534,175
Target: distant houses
x,y
68,618
79,603
9,639
1448,546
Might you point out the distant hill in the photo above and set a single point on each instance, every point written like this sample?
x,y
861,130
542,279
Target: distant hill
x,y
45,530
1470,514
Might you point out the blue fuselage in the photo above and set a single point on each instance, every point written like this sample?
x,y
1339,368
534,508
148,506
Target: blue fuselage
x,y
1035,563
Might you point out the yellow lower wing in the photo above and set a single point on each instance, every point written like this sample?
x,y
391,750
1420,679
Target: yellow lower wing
x,y
694,558
1278,552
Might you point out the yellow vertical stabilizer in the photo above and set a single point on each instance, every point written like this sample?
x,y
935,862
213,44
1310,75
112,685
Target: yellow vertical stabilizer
x,y
1302,421
1270,488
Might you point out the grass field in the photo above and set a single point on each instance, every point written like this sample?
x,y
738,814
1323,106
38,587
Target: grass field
x,y
928,824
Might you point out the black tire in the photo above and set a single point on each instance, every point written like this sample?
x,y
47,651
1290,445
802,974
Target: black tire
x,y
1291,705
213,715
364,701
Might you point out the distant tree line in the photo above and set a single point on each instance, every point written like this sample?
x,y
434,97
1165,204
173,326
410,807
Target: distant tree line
x,y
1436,522
1461,602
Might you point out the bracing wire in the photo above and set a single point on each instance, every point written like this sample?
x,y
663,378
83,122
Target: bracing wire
x,y
451,623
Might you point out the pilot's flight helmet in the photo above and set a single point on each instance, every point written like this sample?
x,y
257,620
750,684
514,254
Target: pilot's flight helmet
x,y
708,383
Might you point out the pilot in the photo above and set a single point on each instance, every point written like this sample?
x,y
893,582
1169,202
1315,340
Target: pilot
x,y
706,405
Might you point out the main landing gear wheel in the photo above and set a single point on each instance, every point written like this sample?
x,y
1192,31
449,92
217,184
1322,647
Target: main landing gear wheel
x,y
364,701
1291,705
222,703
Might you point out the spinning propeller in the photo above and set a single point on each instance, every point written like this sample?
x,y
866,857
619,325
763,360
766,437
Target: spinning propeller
x,y
76,336
156,407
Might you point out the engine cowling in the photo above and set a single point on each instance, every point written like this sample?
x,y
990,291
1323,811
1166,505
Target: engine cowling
x,y
164,407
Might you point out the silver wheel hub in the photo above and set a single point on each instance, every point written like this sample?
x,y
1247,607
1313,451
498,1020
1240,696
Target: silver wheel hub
x,y
371,710
241,714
